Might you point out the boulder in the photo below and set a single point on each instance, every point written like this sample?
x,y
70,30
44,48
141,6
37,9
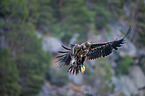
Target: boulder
x,y
51,44
125,85
76,79
137,76
131,83
87,90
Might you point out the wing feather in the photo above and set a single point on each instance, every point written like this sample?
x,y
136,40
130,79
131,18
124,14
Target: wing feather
x,y
65,58
103,49
94,45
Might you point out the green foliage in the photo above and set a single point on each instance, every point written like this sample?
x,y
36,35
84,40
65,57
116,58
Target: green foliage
x,y
20,9
63,18
46,17
104,70
101,71
8,75
116,9
102,17
124,65
31,60
140,26
33,6
72,12
14,7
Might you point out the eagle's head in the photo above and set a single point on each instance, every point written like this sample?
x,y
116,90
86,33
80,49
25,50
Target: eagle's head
x,y
85,45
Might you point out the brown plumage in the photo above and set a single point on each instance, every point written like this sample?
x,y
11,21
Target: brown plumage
x,y
76,55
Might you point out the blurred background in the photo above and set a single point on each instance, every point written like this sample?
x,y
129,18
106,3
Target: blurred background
x,y
32,32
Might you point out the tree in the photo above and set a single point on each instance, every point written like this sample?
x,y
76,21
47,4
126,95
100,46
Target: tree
x,y
31,60
8,75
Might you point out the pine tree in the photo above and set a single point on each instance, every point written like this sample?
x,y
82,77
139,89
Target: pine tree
x,y
31,60
8,75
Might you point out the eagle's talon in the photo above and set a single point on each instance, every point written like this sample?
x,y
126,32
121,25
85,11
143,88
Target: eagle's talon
x,y
83,69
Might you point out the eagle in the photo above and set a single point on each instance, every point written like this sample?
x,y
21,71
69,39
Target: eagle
x,y
76,55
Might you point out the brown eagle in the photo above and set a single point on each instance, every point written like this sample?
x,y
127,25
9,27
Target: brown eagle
x,y
76,55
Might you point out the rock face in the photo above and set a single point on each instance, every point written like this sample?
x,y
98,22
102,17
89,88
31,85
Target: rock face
x,y
78,80
131,83
51,44
125,85
49,90
137,77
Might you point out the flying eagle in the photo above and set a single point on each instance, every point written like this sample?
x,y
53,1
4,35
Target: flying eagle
x,y
76,55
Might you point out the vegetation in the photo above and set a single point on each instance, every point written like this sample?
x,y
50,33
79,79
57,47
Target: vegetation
x,y
66,17
9,75
25,69
123,66
140,26
101,71
104,70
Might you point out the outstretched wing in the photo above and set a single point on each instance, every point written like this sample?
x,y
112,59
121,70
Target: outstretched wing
x,y
65,58
98,50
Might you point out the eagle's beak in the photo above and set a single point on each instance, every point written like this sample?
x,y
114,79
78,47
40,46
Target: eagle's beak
x,y
83,69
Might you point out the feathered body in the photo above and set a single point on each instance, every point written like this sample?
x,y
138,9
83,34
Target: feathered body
x,y
76,55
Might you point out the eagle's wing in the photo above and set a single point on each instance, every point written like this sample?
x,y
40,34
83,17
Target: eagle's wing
x,y
65,58
98,50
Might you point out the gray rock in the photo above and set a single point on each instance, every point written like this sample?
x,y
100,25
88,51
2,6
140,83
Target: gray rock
x,y
51,44
38,34
74,38
127,11
78,80
57,78
128,49
47,90
137,76
131,83
125,85
87,90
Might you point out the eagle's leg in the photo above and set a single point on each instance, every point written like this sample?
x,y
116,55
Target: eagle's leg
x,y
77,65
